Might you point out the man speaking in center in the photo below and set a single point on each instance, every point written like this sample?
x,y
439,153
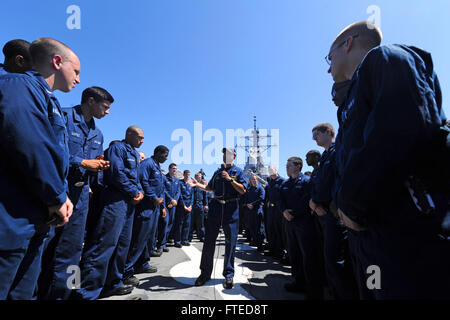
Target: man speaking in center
x,y
227,183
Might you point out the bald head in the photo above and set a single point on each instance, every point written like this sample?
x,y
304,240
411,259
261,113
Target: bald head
x,y
133,130
368,34
134,136
350,47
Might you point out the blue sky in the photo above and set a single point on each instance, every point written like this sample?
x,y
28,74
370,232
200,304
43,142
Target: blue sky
x,y
169,63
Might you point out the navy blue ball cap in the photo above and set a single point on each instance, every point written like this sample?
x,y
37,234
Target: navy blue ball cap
x,y
229,150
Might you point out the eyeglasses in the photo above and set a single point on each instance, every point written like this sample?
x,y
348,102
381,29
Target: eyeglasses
x,y
327,57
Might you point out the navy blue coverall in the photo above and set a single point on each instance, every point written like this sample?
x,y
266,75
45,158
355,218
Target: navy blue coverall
x,y
198,213
274,227
106,250
165,224
225,215
389,123
95,201
254,217
182,221
65,248
146,217
338,268
302,236
172,192
33,170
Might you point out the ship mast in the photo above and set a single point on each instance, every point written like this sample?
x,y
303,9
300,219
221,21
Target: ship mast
x,y
254,150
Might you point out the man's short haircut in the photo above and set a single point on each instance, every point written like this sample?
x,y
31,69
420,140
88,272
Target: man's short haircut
x,y
314,153
172,165
99,95
186,171
323,127
113,142
369,34
17,47
198,174
296,161
160,149
43,49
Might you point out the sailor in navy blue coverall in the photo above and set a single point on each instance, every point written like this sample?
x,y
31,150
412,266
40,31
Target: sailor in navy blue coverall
x,y
228,183
337,263
252,204
303,241
172,193
85,146
33,167
389,130
198,211
106,250
163,222
95,201
147,214
183,213
274,227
